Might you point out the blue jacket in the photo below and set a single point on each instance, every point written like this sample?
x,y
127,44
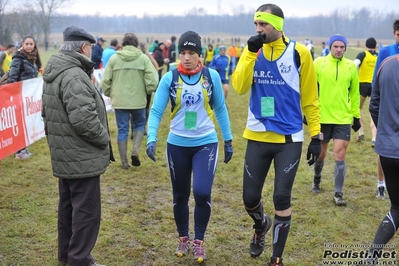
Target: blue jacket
x,y
223,65
107,53
384,53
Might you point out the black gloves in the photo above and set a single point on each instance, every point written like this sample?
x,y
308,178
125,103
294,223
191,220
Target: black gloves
x,y
356,124
151,149
256,42
228,151
314,150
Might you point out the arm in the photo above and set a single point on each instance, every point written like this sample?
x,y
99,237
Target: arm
x,y
2,57
106,80
374,106
354,92
159,103
15,74
219,106
230,67
213,63
159,58
96,54
154,63
381,56
81,107
150,77
359,58
243,75
309,91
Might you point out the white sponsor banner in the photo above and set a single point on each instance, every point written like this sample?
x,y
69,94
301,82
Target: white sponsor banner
x,y
97,74
32,90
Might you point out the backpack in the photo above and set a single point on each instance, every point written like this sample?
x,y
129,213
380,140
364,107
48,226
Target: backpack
x,y
5,77
206,84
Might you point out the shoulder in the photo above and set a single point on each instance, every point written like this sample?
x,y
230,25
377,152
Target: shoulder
x,y
363,53
320,60
301,48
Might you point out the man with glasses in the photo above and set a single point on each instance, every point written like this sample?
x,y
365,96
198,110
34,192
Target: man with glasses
x,y
75,120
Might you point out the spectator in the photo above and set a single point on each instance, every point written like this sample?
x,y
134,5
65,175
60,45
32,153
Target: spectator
x,y
153,46
25,65
75,122
6,59
172,50
110,51
149,96
128,78
324,49
209,54
161,60
232,52
165,53
97,53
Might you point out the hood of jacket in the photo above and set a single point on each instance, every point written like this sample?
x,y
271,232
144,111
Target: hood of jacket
x,y
129,53
65,60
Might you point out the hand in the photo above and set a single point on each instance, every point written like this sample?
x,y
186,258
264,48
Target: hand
x,y
356,124
314,150
151,149
228,151
256,42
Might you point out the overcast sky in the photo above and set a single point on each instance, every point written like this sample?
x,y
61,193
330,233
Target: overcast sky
x,y
180,7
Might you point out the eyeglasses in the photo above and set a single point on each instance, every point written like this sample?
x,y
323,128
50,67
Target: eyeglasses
x,y
91,45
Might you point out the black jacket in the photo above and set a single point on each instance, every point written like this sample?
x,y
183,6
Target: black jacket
x,y
22,69
96,55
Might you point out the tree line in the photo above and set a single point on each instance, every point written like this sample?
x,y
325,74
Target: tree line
x,y
40,18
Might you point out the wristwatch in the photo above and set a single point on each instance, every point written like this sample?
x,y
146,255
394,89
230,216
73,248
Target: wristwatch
x,y
319,136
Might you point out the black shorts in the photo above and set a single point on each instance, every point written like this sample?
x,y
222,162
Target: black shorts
x,y
334,131
225,82
365,89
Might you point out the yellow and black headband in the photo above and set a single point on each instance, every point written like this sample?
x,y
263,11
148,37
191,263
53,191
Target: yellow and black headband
x,y
276,21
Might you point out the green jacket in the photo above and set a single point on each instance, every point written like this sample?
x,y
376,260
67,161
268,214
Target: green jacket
x,y
75,118
128,77
339,96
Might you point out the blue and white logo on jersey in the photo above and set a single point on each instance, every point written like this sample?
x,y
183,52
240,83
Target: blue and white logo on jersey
x,y
284,69
191,99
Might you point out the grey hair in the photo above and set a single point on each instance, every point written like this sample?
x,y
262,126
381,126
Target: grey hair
x,y
73,46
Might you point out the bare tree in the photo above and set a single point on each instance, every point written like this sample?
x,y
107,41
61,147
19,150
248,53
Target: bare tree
x,y
3,4
45,13
24,24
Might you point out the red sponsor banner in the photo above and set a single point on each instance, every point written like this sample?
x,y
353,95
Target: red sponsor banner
x,y
21,123
12,127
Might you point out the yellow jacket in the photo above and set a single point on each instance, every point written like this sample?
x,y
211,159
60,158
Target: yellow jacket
x,y
243,76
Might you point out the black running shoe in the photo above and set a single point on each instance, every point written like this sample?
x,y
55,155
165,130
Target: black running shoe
x,y
258,239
